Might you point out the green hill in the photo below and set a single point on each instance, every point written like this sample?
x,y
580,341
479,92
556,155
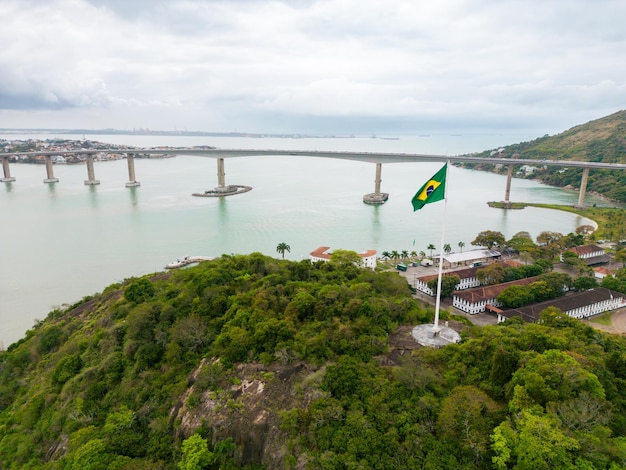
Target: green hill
x,y
253,362
602,140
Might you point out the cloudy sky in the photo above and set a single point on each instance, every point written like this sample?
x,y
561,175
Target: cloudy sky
x,y
306,66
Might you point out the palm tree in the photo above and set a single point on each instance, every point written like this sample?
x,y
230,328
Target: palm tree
x,y
282,247
386,254
405,254
461,245
422,255
447,248
431,247
395,254
414,254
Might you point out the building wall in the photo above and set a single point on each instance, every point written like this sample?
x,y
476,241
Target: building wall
x,y
596,308
473,307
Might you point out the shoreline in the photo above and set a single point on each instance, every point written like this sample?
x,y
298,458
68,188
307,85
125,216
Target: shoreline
x,y
599,216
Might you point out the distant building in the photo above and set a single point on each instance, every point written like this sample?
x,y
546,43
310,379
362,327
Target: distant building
x,y
476,300
590,254
323,253
577,305
467,277
527,169
452,260
600,273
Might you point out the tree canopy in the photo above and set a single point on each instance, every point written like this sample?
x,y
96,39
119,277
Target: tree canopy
x,y
489,239
253,362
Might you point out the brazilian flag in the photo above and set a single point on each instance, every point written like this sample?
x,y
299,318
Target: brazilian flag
x,y
433,190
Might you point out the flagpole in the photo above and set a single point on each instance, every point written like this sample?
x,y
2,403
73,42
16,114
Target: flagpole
x,y
440,273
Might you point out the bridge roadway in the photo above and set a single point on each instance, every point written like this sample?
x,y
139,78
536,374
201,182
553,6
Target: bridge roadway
x,y
378,158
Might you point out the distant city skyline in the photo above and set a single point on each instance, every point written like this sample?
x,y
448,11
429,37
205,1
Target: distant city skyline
x,y
402,67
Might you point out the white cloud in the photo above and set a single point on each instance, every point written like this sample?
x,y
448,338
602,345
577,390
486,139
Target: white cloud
x,y
270,66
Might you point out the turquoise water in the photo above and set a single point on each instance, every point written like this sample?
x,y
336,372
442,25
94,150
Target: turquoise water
x,y
63,241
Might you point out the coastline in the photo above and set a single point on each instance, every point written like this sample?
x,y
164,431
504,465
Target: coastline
x,y
601,217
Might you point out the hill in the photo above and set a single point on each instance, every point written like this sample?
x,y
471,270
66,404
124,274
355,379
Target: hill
x,y
602,140
253,362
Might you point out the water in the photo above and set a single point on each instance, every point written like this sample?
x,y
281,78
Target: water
x,y
63,241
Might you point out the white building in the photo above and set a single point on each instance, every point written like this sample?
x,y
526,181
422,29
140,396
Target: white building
x,y
577,305
476,300
600,273
467,276
465,258
323,253
590,254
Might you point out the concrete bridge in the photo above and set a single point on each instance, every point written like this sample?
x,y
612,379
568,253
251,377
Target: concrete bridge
x,y
377,197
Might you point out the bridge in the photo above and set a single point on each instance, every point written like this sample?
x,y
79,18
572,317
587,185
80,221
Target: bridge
x,y
377,197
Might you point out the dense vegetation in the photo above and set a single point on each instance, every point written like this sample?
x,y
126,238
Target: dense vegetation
x,y
602,140
152,374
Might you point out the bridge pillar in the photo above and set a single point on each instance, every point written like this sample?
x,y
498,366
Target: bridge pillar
x,y
378,180
91,181
221,174
583,188
7,171
132,182
376,197
222,189
507,192
49,171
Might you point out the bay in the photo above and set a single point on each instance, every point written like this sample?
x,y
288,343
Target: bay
x,y
66,240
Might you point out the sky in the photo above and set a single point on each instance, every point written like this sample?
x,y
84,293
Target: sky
x,y
327,67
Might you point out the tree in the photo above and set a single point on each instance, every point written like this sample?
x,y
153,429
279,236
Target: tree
x,y
571,259
196,454
386,255
466,417
447,248
585,229
541,291
571,240
490,274
560,282
515,296
550,238
346,257
92,456
405,254
461,245
536,443
546,265
489,239
555,376
140,290
282,247
585,282
521,242
448,284
431,248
